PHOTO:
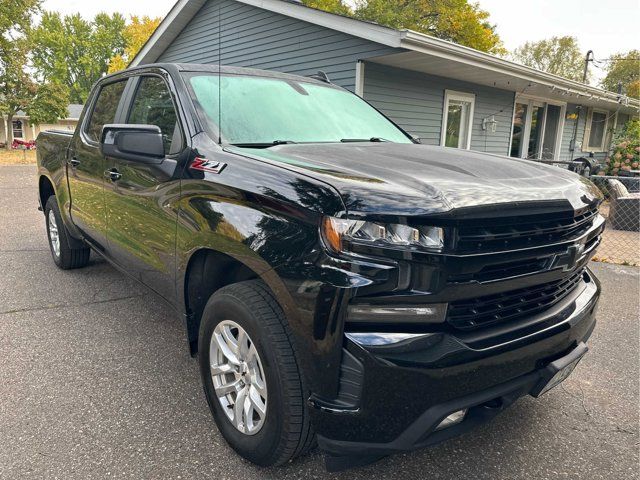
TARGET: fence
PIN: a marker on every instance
(621, 208)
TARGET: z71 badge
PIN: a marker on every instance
(205, 165)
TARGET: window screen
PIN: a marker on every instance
(598, 125)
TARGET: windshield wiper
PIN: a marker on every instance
(372, 139)
(263, 144)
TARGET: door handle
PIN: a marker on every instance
(113, 174)
(74, 162)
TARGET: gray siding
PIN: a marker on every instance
(415, 101)
(253, 37)
(567, 134)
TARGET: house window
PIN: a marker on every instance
(596, 132)
(457, 119)
(537, 129)
(17, 128)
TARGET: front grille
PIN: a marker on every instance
(514, 232)
(510, 306)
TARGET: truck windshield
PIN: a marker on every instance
(262, 112)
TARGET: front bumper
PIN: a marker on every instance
(408, 388)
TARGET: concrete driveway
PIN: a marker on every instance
(95, 381)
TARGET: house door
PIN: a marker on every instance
(537, 129)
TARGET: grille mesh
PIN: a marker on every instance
(523, 231)
(508, 306)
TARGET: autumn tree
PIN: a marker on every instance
(135, 35)
(42, 102)
(624, 68)
(457, 21)
(76, 52)
(558, 55)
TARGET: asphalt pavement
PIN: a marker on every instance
(96, 382)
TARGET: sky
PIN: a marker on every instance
(604, 26)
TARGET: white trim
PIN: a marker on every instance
(360, 79)
(462, 97)
(587, 131)
(558, 145)
(13, 136)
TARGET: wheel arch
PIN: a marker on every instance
(207, 271)
(45, 190)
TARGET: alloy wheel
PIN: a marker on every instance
(238, 377)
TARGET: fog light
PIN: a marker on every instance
(427, 313)
(453, 419)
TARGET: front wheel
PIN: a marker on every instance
(65, 254)
(251, 376)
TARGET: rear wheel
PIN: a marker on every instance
(251, 377)
(66, 254)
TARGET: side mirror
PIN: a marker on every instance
(137, 143)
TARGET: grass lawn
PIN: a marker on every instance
(17, 157)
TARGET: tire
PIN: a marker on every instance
(68, 253)
(285, 432)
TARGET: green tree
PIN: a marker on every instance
(624, 68)
(557, 55)
(333, 6)
(75, 52)
(15, 18)
(43, 102)
(454, 20)
(135, 34)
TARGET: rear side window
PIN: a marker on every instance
(152, 105)
(104, 110)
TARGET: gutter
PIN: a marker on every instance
(419, 42)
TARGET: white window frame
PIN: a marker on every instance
(360, 78)
(587, 132)
(462, 97)
(532, 101)
(21, 120)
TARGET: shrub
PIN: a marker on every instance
(626, 149)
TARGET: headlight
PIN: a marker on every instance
(335, 231)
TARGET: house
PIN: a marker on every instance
(23, 130)
(441, 92)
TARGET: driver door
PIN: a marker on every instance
(141, 197)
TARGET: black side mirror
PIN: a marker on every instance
(138, 143)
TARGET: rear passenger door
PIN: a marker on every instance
(142, 201)
(86, 164)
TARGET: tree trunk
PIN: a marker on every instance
(9, 126)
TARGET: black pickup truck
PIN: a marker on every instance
(339, 282)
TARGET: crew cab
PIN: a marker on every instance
(338, 281)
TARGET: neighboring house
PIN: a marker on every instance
(441, 92)
(23, 130)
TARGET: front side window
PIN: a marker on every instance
(17, 128)
(153, 105)
(258, 111)
(596, 130)
(457, 119)
(104, 109)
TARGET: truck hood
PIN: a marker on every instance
(412, 179)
